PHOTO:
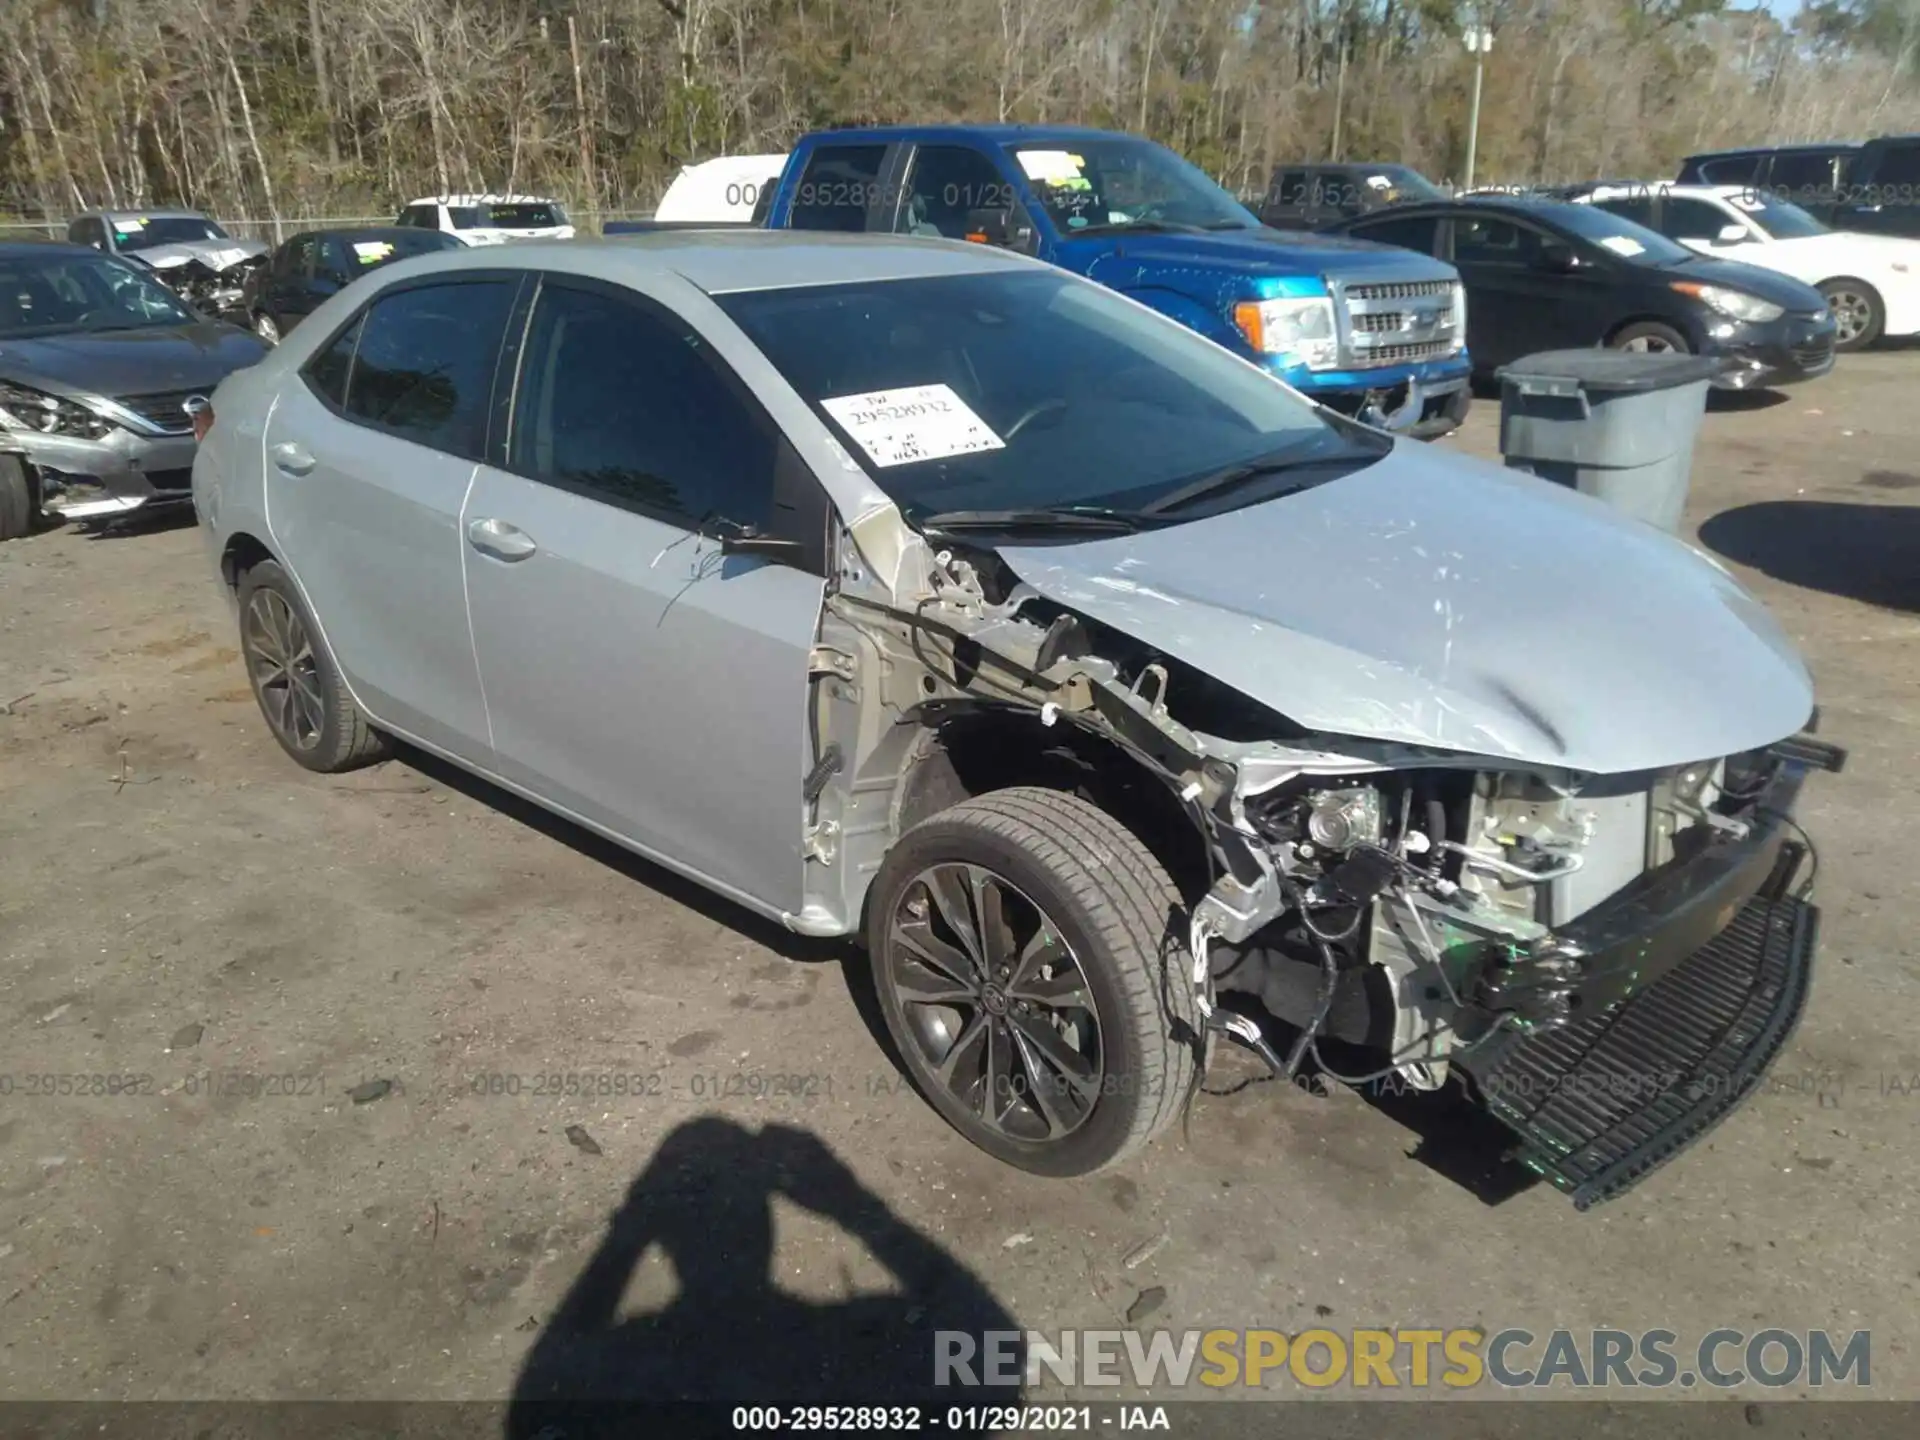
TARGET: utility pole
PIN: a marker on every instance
(1479, 40)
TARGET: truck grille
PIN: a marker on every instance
(166, 410)
(1400, 290)
(1398, 322)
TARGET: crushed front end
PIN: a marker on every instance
(1608, 964)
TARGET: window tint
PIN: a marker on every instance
(1291, 187)
(424, 369)
(1637, 208)
(1691, 219)
(300, 254)
(465, 217)
(1801, 177)
(838, 185)
(327, 371)
(1415, 233)
(946, 182)
(1732, 169)
(1489, 240)
(629, 405)
(1899, 165)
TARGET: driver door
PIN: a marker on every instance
(1518, 302)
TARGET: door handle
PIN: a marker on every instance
(292, 458)
(500, 540)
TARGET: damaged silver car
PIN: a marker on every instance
(187, 252)
(1118, 698)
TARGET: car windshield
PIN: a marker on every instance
(528, 215)
(1399, 184)
(368, 249)
(63, 292)
(146, 232)
(1118, 183)
(1614, 233)
(1781, 219)
(1025, 392)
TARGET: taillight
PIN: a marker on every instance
(201, 411)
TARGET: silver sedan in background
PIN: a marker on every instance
(1094, 678)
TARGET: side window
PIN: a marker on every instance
(1732, 170)
(327, 371)
(1682, 219)
(88, 231)
(424, 367)
(838, 186)
(1410, 233)
(1899, 165)
(300, 256)
(627, 404)
(946, 182)
(1801, 178)
(1292, 187)
(1489, 240)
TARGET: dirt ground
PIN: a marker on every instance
(329, 1088)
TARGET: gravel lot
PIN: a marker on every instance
(262, 951)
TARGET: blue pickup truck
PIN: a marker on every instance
(1366, 329)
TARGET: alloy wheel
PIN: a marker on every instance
(1852, 315)
(1649, 345)
(995, 1001)
(284, 669)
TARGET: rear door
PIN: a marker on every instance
(636, 677)
(291, 274)
(368, 464)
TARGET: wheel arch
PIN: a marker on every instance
(240, 554)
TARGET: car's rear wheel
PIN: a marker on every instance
(19, 505)
(296, 681)
(266, 327)
(1859, 314)
(1650, 337)
(1030, 957)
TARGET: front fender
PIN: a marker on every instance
(1192, 314)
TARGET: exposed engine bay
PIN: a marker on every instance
(1415, 901)
(216, 291)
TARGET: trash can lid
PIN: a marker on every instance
(1600, 369)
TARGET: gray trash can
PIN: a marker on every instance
(1618, 425)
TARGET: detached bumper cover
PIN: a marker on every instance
(1672, 998)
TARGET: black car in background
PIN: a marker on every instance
(1309, 197)
(312, 266)
(1549, 275)
(1873, 187)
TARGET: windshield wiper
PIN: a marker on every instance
(1138, 227)
(1218, 225)
(1106, 521)
(1232, 477)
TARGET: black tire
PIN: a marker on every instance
(340, 738)
(1651, 335)
(1124, 924)
(19, 505)
(1869, 311)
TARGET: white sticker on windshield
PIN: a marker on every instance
(1380, 182)
(372, 250)
(922, 422)
(1050, 166)
(1623, 245)
(127, 227)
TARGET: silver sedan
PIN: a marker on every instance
(1117, 697)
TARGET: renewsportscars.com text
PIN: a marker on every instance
(1453, 1359)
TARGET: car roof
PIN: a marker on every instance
(161, 212)
(1799, 148)
(370, 232)
(488, 199)
(1633, 189)
(1004, 134)
(27, 249)
(722, 261)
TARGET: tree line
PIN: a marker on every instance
(285, 109)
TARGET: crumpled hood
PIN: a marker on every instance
(1438, 601)
(130, 362)
(216, 255)
(1266, 251)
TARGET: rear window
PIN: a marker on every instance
(530, 215)
(1732, 169)
(839, 185)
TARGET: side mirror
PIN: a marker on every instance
(1732, 234)
(999, 226)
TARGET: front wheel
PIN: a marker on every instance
(1859, 314)
(1030, 957)
(19, 504)
(1650, 337)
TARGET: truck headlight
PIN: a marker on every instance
(1300, 328)
(49, 414)
(1459, 317)
(1735, 304)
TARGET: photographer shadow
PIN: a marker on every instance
(730, 1334)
